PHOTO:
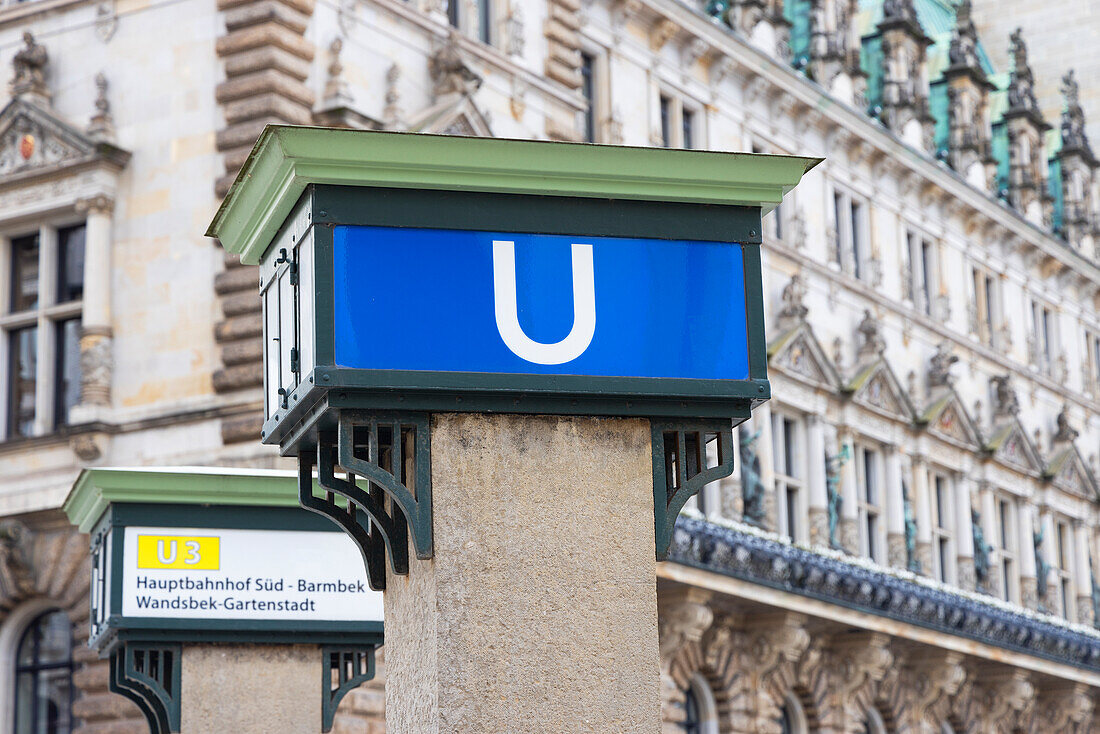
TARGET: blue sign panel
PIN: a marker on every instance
(496, 302)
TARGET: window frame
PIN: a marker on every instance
(790, 485)
(852, 251)
(1044, 335)
(671, 107)
(48, 317)
(1005, 546)
(17, 669)
(1063, 566)
(871, 513)
(986, 305)
(479, 24)
(942, 494)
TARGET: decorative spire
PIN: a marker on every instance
(29, 65)
(964, 39)
(1021, 83)
(102, 126)
(895, 10)
(904, 80)
(1073, 117)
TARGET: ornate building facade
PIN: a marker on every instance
(908, 543)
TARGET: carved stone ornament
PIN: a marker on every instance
(939, 366)
(102, 125)
(106, 20)
(794, 309)
(96, 364)
(964, 39)
(871, 343)
(16, 573)
(391, 115)
(449, 71)
(1065, 433)
(1021, 86)
(515, 30)
(29, 67)
(1073, 118)
(336, 89)
(1005, 402)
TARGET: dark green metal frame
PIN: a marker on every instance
(118, 630)
(149, 675)
(680, 469)
(344, 669)
(329, 388)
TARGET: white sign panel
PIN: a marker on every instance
(203, 573)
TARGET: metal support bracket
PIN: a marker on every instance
(343, 669)
(392, 455)
(682, 466)
(149, 675)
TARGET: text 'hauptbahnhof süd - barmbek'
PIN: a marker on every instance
(908, 541)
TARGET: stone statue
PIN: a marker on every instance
(963, 50)
(1021, 91)
(1042, 568)
(29, 65)
(449, 71)
(1065, 432)
(939, 367)
(752, 487)
(1005, 402)
(871, 342)
(981, 548)
(833, 464)
(794, 309)
(912, 562)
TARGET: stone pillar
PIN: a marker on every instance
(816, 498)
(849, 508)
(95, 339)
(762, 421)
(995, 584)
(964, 533)
(505, 626)
(895, 511)
(1028, 593)
(923, 508)
(273, 688)
(1082, 573)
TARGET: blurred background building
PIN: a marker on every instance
(908, 543)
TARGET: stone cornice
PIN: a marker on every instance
(811, 99)
(796, 570)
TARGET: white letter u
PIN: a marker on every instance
(507, 313)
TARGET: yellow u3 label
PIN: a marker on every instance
(179, 552)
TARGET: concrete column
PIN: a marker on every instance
(923, 507)
(1028, 594)
(762, 421)
(849, 508)
(816, 494)
(539, 609)
(964, 533)
(1082, 573)
(95, 340)
(244, 688)
(895, 510)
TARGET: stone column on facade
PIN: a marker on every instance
(1028, 594)
(816, 492)
(762, 423)
(964, 533)
(533, 639)
(1082, 573)
(95, 337)
(849, 492)
(995, 583)
(923, 508)
(227, 688)
(895, 511)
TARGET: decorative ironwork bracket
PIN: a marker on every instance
(343, 669)
(680, 468)
(392, 455)
(149, 675)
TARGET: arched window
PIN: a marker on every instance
(44, 676)
(874, 723)
(700, 709)
(792, 719)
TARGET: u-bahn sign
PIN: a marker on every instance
(428, 273)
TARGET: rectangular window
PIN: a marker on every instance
(687, 119)
(666, 121)
(942, 535)
(485, 20)
(1042, 337)
(24, 273)
(1063, 568)
(984, 309)
(452, 12)
(589, 91)
(41, 328)
(23, 377)
(788, 454)
(1005, 549)
(871, 508)
(1092, 362)
(851, 246)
